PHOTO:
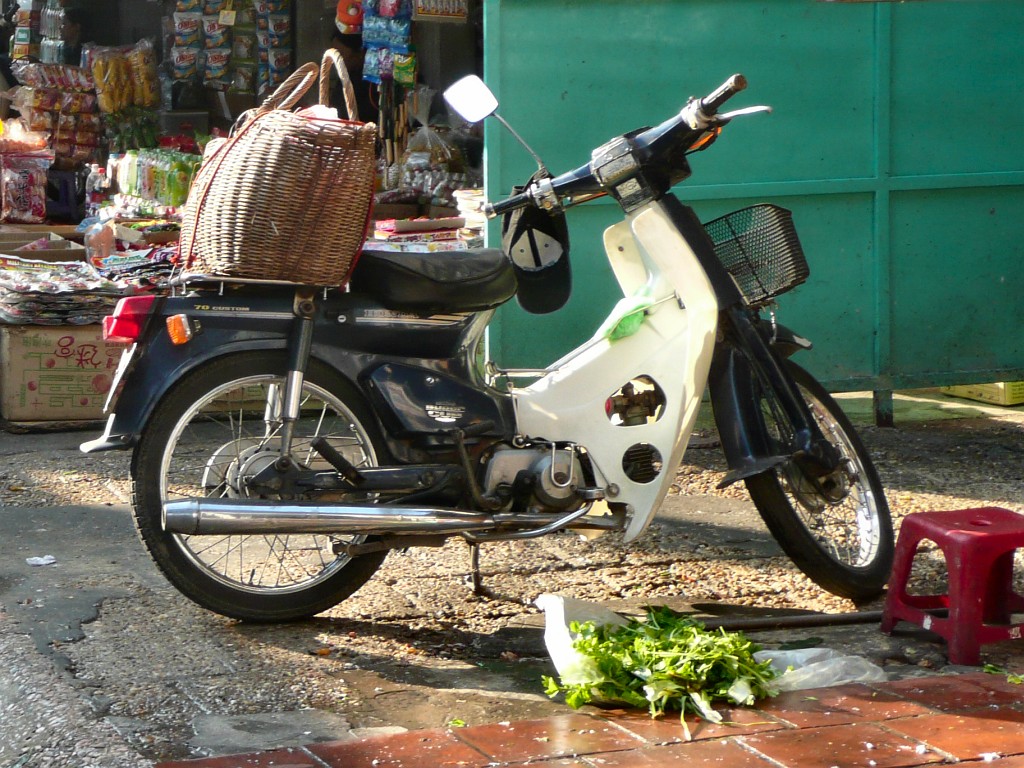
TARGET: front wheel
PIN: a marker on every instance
(218, 426)
(837, 529)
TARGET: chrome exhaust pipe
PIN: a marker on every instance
(244, 516)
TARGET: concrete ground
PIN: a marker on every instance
(104, 664)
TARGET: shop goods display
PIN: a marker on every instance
(242, 47)
(320, 174)
(60, 101)
(55, 293)
(28, 34)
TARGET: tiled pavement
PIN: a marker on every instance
(976, 719)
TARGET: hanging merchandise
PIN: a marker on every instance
(349, 17)
(387, 32)
(60, 100)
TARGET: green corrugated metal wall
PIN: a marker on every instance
(896, 140)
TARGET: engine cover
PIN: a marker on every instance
(545, 478)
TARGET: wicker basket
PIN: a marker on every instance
(286, 197)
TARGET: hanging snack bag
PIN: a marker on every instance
(280, 64)
(280, 28)
(188, 6)
(244, 46)
(188, 29)
(145, 82)
(184, 63)
(213, 7)
(243, 77)
(216, 67)
(112, 74)
(216, 35)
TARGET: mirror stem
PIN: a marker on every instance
(534, 155)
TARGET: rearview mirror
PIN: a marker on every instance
(471, 99)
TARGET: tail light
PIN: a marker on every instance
(128, 320)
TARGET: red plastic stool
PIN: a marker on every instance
(978, 545)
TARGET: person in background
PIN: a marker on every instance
(352, 53)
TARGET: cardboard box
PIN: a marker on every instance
(55, 373)
(999, 393)
(58, 249)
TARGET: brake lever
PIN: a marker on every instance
(724, 118)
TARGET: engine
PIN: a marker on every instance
(535, 479)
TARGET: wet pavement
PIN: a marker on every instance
(969, 718)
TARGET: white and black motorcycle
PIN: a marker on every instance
(287, 437)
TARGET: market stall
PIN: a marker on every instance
(106, 123)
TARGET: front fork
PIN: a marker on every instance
(745, 361)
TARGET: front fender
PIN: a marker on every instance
(741, 426)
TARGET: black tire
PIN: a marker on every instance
(199, 435)
(844, 542)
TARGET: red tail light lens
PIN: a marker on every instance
(128, 320)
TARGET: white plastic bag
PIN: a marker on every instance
(819, 668)
(559, 612)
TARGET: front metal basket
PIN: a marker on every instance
(760, 248)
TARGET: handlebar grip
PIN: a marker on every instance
(509, 204)
(711, 103)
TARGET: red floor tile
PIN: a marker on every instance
(953, 693)
(982, 732)
(839, 705)
(434, 748)
(667, 730)
(723, 753)
(280, 758)
(847, 746)
(560, 736)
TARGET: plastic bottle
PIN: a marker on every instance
(97, 186)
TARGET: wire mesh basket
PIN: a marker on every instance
(760, 248)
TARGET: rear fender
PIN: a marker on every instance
(157, 364)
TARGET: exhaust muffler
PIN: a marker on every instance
(245, 516)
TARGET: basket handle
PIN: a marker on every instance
(331, 56)
(291, 90)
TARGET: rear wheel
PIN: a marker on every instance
(219, 425)
(836, 529)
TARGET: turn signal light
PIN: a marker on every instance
(128, 320)
(179, 329)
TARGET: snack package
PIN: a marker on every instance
(23, 176)
(244, 46)
(216, 35)
(145, 82)
(184, 63)
(113, 75)
(16, 137)
(216, 66)
(280, 28)
(188, 28)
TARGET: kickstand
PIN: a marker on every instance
(475, 579)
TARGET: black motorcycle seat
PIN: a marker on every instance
(446, 281)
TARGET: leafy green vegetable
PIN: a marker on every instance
(992, 669)
(666, 662)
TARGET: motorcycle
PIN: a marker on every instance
(286, 437)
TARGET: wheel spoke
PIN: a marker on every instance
(209, 454)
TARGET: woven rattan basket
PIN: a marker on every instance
(286, 197)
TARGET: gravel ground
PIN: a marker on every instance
(380, 658)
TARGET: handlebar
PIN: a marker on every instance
(711, 103)
(508, 204)
(666, 144)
